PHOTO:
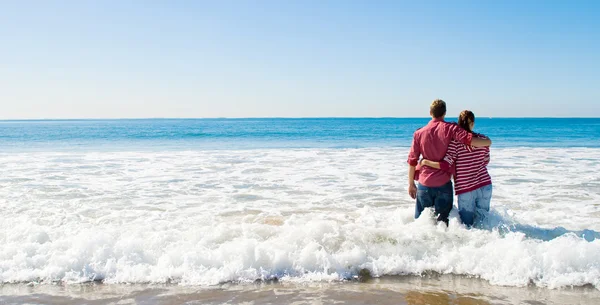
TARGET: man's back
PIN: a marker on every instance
(432, 142)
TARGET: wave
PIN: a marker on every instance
(208, 217)
(309, 247)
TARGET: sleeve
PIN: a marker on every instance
(450, 158)
(415, 152)
(460, 135)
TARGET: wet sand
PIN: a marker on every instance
(437, 289)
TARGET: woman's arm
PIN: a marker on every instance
(430, 163)
(447, 163)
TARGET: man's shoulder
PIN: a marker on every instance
(450, 124)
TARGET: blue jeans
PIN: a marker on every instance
(474, 205)
(440, 198)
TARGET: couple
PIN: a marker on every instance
(450, 149)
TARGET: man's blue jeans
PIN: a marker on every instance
(474, 206)
(440, 198)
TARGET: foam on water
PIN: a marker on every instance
(206, 217)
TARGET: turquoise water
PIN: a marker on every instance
(279, 133)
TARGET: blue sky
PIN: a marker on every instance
(131, 59)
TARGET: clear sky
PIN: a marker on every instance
(223, 58)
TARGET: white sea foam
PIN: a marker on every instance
(206, 217)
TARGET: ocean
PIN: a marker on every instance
(234, 210)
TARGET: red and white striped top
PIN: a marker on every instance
(469, 166)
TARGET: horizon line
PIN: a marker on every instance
(274, 117)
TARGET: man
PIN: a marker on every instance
(431, 142)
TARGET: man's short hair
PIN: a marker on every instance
(437, 108)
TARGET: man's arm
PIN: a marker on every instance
(467, 138)
(481, 142)
(412, 188)
(413, 160)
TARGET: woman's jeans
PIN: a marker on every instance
(474, 205)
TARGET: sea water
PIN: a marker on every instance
(210, 201)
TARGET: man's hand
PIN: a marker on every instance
(412, 190)
(480, 142)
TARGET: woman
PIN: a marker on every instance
(472, 182)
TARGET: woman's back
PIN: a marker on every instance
(470, 166)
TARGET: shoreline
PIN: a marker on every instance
(427, 289)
